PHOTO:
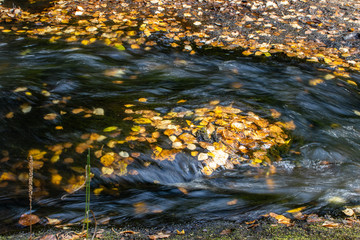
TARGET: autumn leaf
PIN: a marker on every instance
(299, 209)
(99, 111)
(280, 218)
(232, 202)
(36, 154)
(28, 219)
(140, 207)
(107, 159)
(110, 129)
(107, 170)
(53, 221)
(315, 82)
(330, 224)
(159, 235)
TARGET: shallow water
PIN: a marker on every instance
(323, 161)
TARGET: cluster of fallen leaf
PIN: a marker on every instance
(327, 221)
(315, 30)
(217, 136)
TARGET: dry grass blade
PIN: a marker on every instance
(30, 186)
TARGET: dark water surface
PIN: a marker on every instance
(322, 166)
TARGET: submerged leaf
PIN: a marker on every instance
(28, 219)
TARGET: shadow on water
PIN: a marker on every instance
(323, 162)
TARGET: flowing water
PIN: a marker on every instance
(323, 162)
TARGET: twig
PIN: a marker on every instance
(95, 222)
(30, 185)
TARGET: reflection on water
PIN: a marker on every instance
(323, 162)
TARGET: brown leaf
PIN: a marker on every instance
(159, 235)
(280, 218)
(330, 224)
(225, 231)
(313, 218)
(232, 202)
(50, 116)
(28, 219)
(48, 237)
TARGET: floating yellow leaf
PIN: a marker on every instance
(55, 158)
(142, 120)
(107, 170)
(181, 101)
(183, 190)
(8, 176)
(25, 108)
(299, 209)
(232, 202)
(50, 116)
(107, 159)
(140, 207)
(207, 170)
(351, 82)
(315, 82)
(81, 147)
(110, 129)
(142, 100)
(135, 46)
(77, 110)
(97, 191)
(38, 164)
(9, 115)
(56, 179)
(99, 111)
(20, 89)
(36, 154)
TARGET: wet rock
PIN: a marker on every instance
(352, 36)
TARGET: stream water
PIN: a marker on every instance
(323, 163)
